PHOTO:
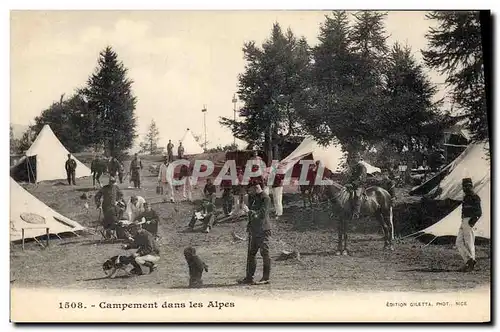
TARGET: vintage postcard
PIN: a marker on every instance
(250, 166)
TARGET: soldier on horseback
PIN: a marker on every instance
(356, 183)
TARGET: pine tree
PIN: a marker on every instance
(272, 88)
(150, 143)
(111, 105)
(455, 49)
(347, 77)
(410, 117)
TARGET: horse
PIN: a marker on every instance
(375, 201)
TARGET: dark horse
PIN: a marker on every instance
(375, 201)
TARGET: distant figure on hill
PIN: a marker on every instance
(180, 151)
(70, 170)
(170, 151)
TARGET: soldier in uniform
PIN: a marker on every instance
(210, 191)
(70, 170)
(113, 167)
(148, 253)
(259, 231)
(135, 175)
(180, 151)
(149, 219)
(111, 195)
(471, 212)
(170, 152)
(356, 183)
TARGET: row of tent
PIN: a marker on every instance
(474, 162)
(46, 157)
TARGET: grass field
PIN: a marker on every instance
(76, 262)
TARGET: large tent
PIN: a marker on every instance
(332, 157)
(32, 215)
(45, 160)
(475, 164)
(190, 144)
(449, 225)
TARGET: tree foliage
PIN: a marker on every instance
(455, 50)
(65, 119)
(272, 89)
(111, 104)
(347, 79)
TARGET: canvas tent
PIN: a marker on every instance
(449, 225)
(473, 163)
(23, 206)
(45, 160)
(190, 144)
(332, 157)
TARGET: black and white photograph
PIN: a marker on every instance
(250, 166)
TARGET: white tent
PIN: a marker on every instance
(447, 183)
(24, 205)
(449, 225)
(473, 163)
(331, 156)
(190, 144)
(45, 160)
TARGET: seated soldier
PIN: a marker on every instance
(209, 191)
(205, 214)
(227, 197)
(149, 220)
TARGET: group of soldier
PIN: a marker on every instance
(253, 201)
(115, 168)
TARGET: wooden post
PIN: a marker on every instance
(22, 235)
(48, 236)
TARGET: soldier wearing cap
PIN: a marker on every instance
(111, 195)
(356, 183)
(471, 212)
(70, 166)
(259, 231)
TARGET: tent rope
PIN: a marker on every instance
(430, 242)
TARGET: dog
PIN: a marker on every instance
(196, 267)
(116, 263)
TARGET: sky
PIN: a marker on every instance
(179, 61)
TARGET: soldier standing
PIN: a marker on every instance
(135, 175)
(259, 231)
(70, 170)
(170, 151)
(471, 212)
(180, 151)
(111, 195)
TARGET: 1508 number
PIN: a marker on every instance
(71, 305)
